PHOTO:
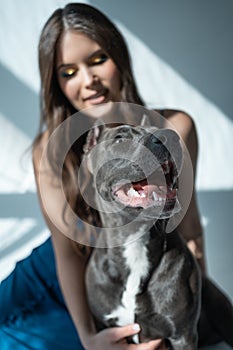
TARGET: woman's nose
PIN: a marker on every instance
(87, 77)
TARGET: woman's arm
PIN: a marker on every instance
(190, 227)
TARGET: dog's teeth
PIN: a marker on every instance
(155, 196)
(137, 194)
(133, 193)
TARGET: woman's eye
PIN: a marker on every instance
(99, 59)
(68, 73)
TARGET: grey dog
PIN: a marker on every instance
(139, 273)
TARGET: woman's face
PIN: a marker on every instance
(86, 75)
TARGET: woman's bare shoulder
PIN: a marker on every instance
(181, 121)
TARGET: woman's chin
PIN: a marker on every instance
(98, 110)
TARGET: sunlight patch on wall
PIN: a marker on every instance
(16, 173)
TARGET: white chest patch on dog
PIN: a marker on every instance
(136, 260)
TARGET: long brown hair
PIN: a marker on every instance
(55, 107)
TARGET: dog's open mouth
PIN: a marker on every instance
(158, 189)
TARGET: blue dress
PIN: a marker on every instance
(33, 314)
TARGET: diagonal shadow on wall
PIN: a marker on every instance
(18, 103)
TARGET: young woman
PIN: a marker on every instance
(83, 62)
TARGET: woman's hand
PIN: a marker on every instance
(115, 338)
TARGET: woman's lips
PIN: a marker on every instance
(97, 98)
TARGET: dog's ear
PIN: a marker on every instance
(93, 135)
(145, 120)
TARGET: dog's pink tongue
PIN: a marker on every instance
(148, 190)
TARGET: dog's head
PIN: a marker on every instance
(136, 168)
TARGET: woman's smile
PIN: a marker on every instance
(98, 97)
